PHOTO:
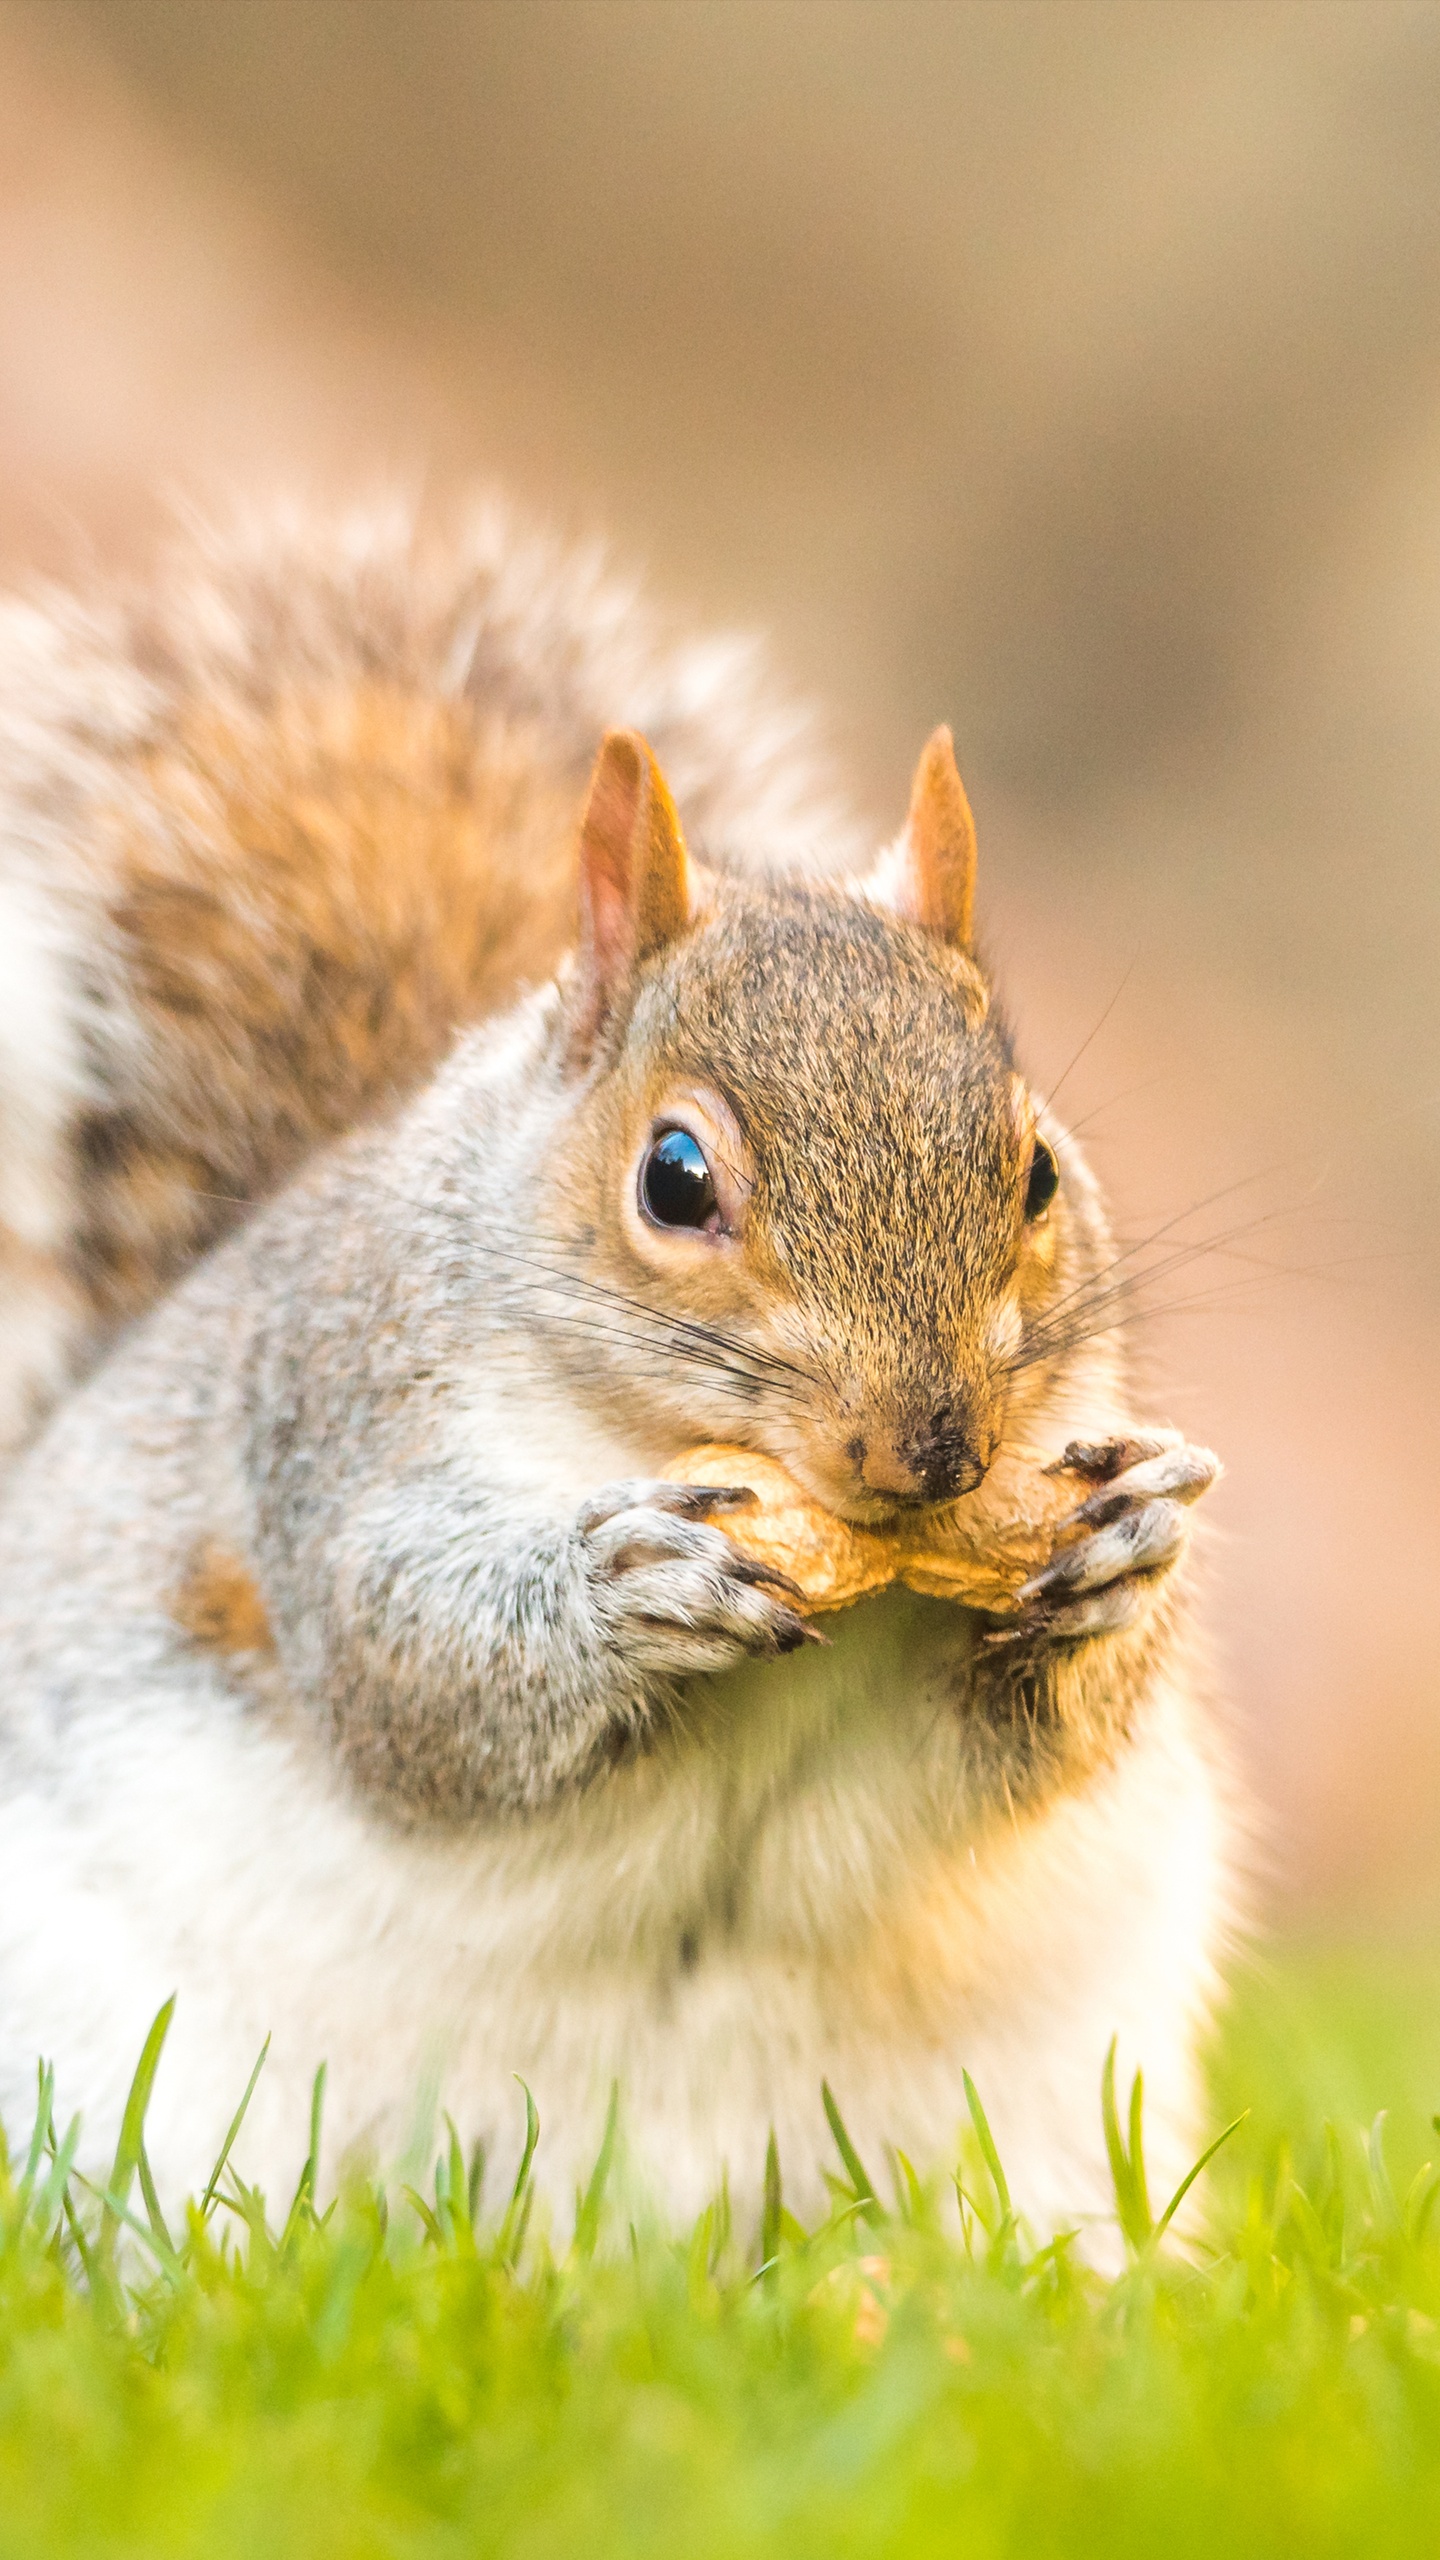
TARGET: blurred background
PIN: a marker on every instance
(1069, 369)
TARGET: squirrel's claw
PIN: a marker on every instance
(1095, 1613)
(680, 1501)
(1119, 1541)
(1178, 1474)
(1138, 1541)
(674, 1593)
(749, 1569)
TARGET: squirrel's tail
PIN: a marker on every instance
(269, 835)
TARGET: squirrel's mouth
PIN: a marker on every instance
(839, 1486)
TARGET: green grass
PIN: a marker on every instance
(432, 2379)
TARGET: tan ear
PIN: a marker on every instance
(634, 875)
(930, 879)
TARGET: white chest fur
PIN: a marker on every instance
(797, 1886)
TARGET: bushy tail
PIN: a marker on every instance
(270, 835)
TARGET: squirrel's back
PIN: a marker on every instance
(270, 831)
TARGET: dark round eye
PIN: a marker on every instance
(675, 1184)
(1044, 1180)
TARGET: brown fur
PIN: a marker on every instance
(309, 901)
(886, 1133)
(219, 1605)
(272, 831)
(25, 1266)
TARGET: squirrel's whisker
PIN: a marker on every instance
(1094, 1289)
(1078, 1317)
(1143, 1244)
(1091, 1036)
(681, 1335)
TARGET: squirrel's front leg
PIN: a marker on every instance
(1096, 1622)
(1113, 1549)
(671, 1594)
(468, 1659)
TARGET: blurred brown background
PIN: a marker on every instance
(1066, 368)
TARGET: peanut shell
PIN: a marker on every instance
(978, 1552)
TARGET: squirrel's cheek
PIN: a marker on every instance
(1004, 1332)
(1039, 1254)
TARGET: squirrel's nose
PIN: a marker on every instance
(933, 1460)
(947, 1455)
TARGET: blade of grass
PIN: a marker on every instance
(517, 2212)
(773, 2206)
(988, 2151)
(302, 2205)
(132, 2130)
(49, 2199)
(862, 2187)
(1138, 2182)
(433, 2232)
(475, 2182)
(171, 2266)
(80, 2244)
(457, 2190)
(207, 2201)
(310, 2174)
(44, 2119)
(1132, 2207)
(724, 2224)
(1188, 2181)
(588, 2207)
(152, 2204)
(910, 2197)
(248, 2205)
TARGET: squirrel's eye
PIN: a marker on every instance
(1044, 1180)
(675, 1185)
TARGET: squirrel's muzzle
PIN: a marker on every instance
(934, 1458)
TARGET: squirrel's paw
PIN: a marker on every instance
(1119, 1541)
(675, 1595)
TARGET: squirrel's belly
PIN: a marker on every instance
(719, 1931)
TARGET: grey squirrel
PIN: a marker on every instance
(408, 1153)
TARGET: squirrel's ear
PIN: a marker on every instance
(634, 875)
(929, 876)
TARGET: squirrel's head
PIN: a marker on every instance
(799, 1156)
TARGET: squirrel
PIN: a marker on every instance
(408, 1153)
